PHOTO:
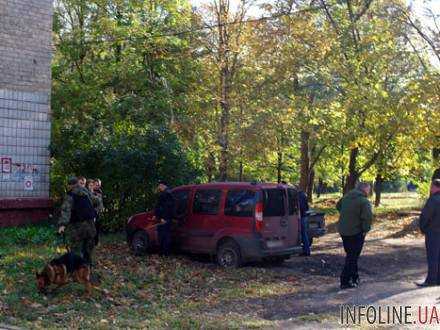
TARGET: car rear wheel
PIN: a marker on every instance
(140, 243)
(228, 255)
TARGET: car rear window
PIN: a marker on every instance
(273, 203)
(181, 199)
(206, 201)
(293, 201)
(240, 203)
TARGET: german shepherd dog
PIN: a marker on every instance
(59, 270)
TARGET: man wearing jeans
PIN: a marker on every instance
(430, 226)
(303, 208)
(354, 222)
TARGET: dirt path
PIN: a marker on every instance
(388, 266)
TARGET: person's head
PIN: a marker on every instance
(364, 187)
(91, 184)
(72, 182)
(162, 186)
(82, 181)
(97, 183)
(435, 186)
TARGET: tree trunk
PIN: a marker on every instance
(342, 168)
(224, 133)
(210, 165)
(310, 184)
(378, 189)
(225, 83)
(320, 187)
(353, 174)
(240, 171)
(279, 166)
(305, 161)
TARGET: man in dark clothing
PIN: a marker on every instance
(430, 226)
(354, 222)
(77, 220)
(164, 212)
(436, 174)
(303, 208)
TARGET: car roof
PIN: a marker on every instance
(226, 185)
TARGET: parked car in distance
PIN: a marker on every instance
(236, 222)
(315, 224)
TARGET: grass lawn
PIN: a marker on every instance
(146, 292)
(136, 292)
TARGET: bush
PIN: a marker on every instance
(129, 164)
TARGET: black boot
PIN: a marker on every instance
(348, 285)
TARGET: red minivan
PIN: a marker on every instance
(234, 221)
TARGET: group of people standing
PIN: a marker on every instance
(79, 219)
(355, 222)
(82, 206)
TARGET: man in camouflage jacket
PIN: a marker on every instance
(77, 219)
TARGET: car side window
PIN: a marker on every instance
(292, 194)
(181, 200)
(240, 203)
(273, 203)
(206, 201)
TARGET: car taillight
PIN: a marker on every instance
(259, 216)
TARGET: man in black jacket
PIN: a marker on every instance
(164, 212)
(430, 226)
(436, 174)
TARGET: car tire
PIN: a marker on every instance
(140, 243)
(229, 255)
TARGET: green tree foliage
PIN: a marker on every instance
(120, 86)
(330, 91)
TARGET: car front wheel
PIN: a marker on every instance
(228, 255)
(140, 243)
